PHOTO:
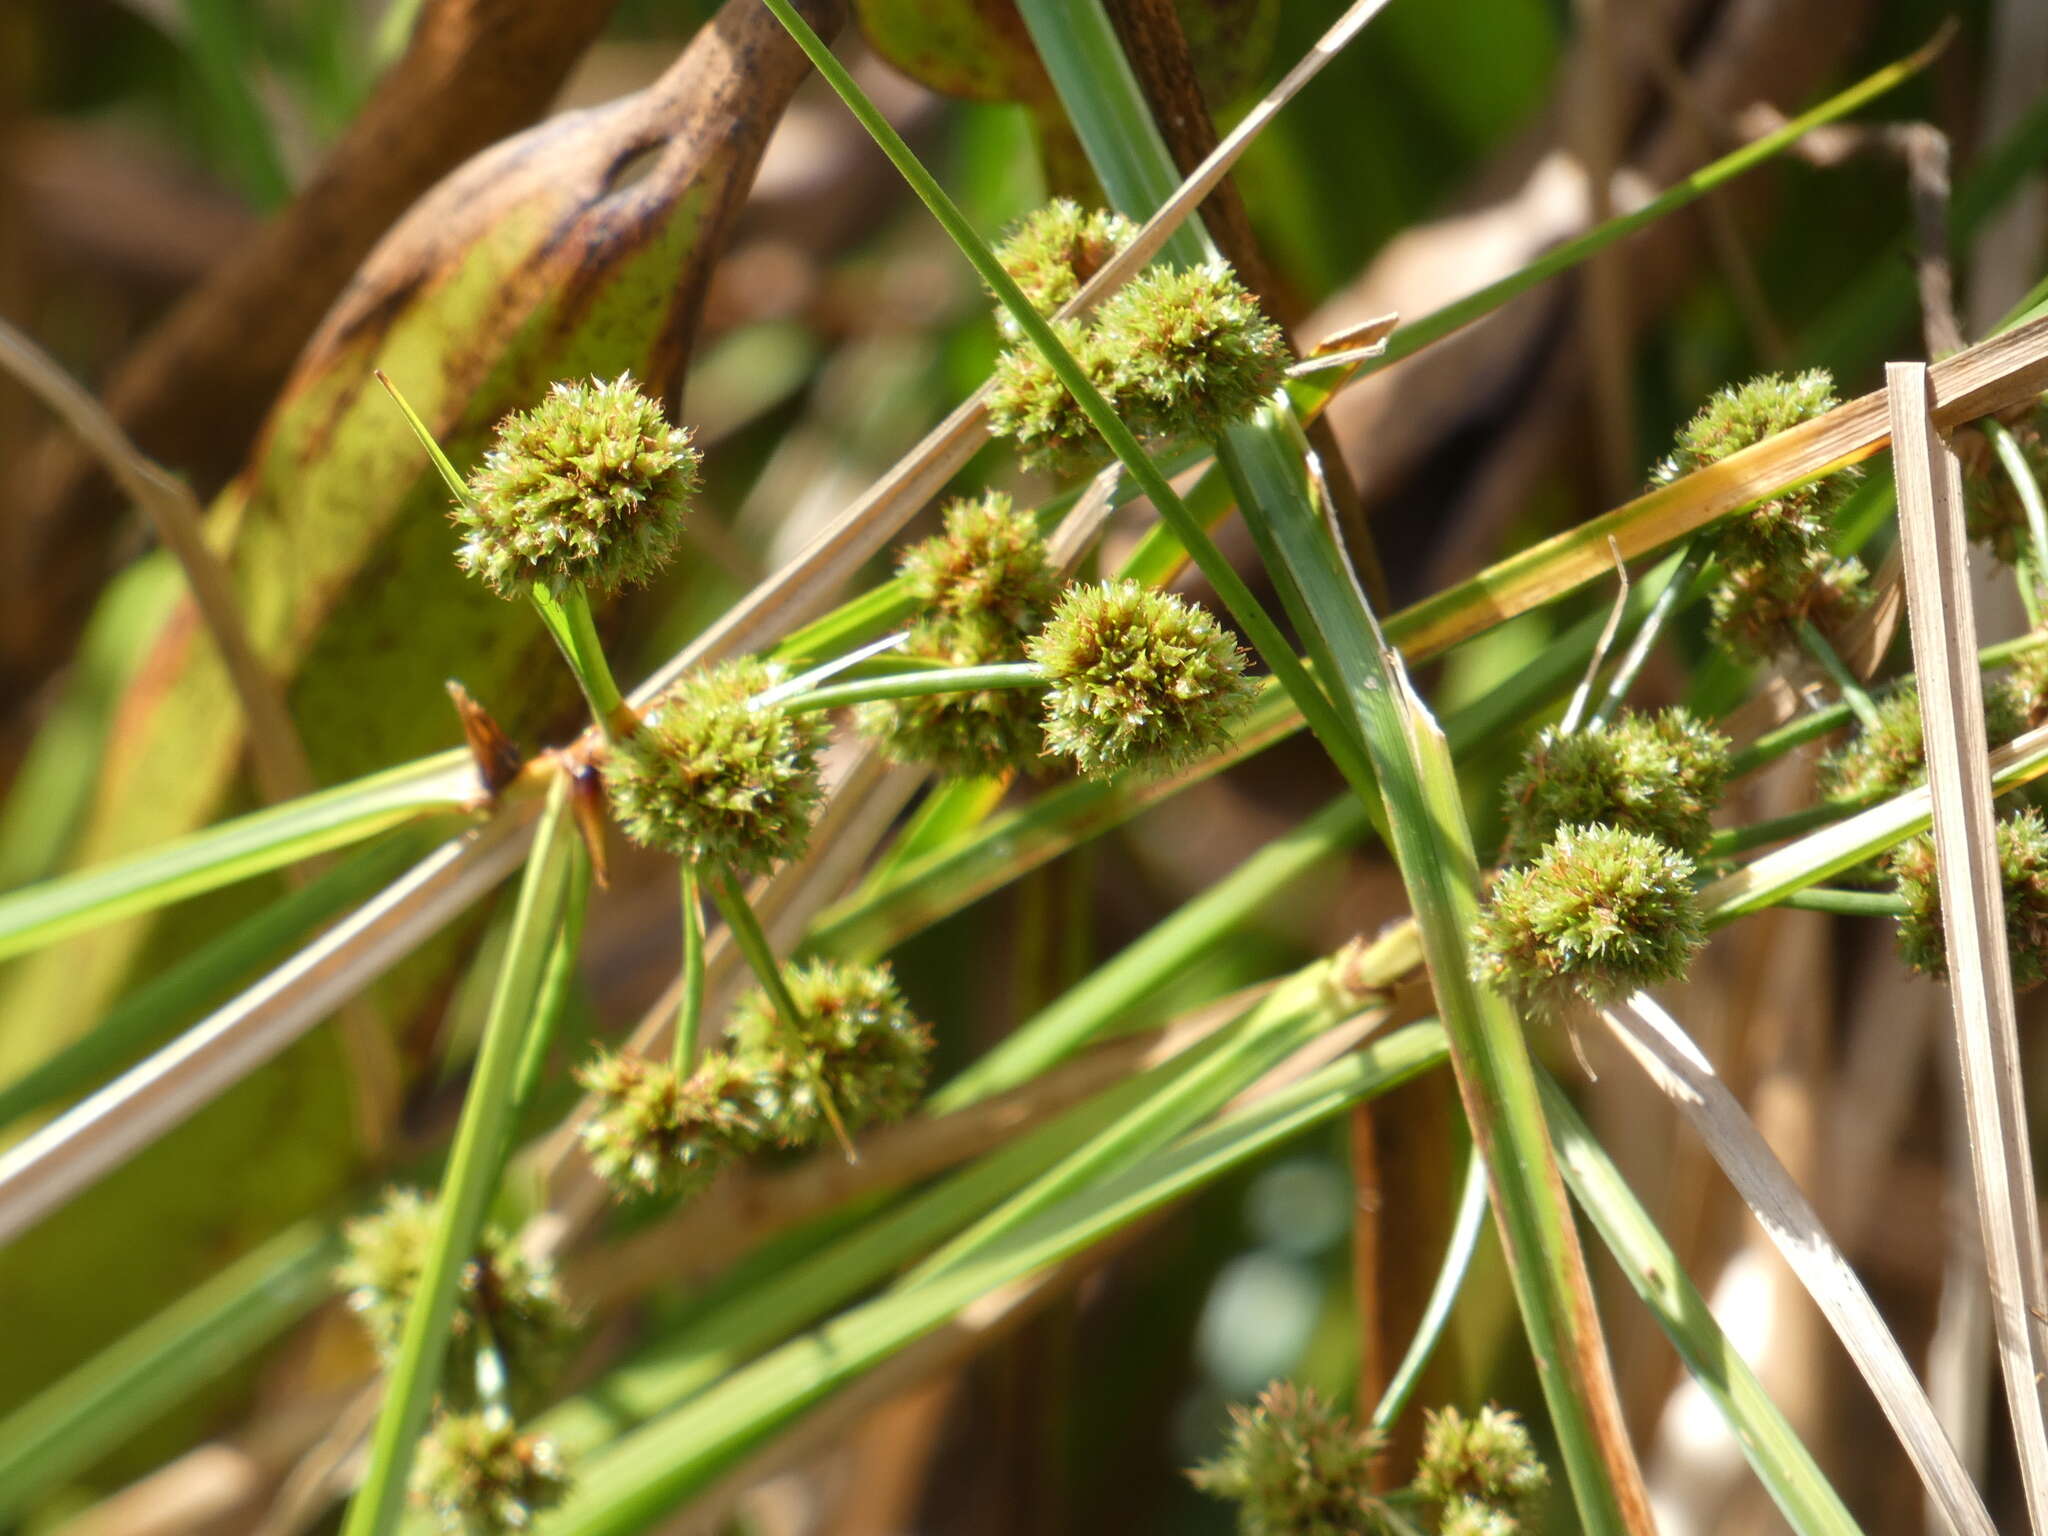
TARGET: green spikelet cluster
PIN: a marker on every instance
(1140, 680)
(715, 780)
(1053, 252)
(503, 1299)
(1601, 912)
(1178, 352)
(858, 1038)
(2023, 877)
(588, 488)
(481, 1477)
(1777, 567)
(1992, 510)
(985, 584)
(2028, 676)
(1661, 775)
(1295, 1467)
(655, 1133)
(1482, 1473)
(1890, 757)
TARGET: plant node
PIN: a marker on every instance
(715, 780)
(588, 488)
(1295, 1467)
(1661, 775)
(1140, 679)
(1601, 913)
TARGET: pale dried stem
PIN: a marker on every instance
(1944, 633)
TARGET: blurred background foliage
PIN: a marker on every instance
(142, 143)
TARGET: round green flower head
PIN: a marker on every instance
(1486, 1460)
(1295, 1467)
(1140, 679)
(1741, 416)
(654, 1133)
(1992, 510)
(1052, 253)
(1193, 351)
(481, 1477)
(2023, 876)
(1658, 774)
(858, 1037)
(1891, 757)
(711, 778)
(1469, 1517)
(1600, 913)
(1758, 607)
(588, 488)
(1028, 403)
(984, 584)
(502, 1296)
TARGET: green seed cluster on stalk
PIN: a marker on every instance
(481, 1476)
(2023, 878)
(715, 779)
(1661, 775)
(1180, 352)
(1140, 679)
(1993, 513)
(1890, 756)
(1482, 1473)
(985, 585)
(507, 1304)
(589, 488)
(1777, 568)
(660, 1132)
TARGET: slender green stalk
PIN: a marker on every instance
(1250, 615)
(569, 621)
(754, 947)
(1824, 898)
(557, 986)
(690, 1007)
(2014, 461)
(474, 1165)
(1845, 681)
(1730, 841)
(1678, 589)
(911, 685)
(1466, 1227)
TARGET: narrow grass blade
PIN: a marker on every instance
(474, 1165)
(1944, 627)
(1674, 1064)
(64, 1429)
(235, 850)
(1466, 1227)
(104, 1130)
(1782, 1463)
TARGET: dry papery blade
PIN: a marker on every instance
(1944, 631)
(806, 585)
(1677, 1068)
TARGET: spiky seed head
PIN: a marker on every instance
(655, 1133)
(2022, 876)
(480, 1476)
(1295, 1467)
(858, 1037)
(504, 1297)
(1469, 1517)
(1600, 913)
(974, 731)
(1658, 774)
(1890, 757)
(1053, 252)
(1194, 352)
(1028, 403)
(588, 488)
(1487, 1459)
(714, 779)
(1759, 605)
(1140, 680)
(990, 563)
(1993, 513)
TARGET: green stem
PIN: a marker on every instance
(1758, 834)
(1827, 898)
(690, 1011)
(2028, 489)
(1838, 672)
(1466, 1227)
(568, 619)
(1690, 562)
(1338, 740)
(472, 1176)
(557, 985)
(911, 685)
